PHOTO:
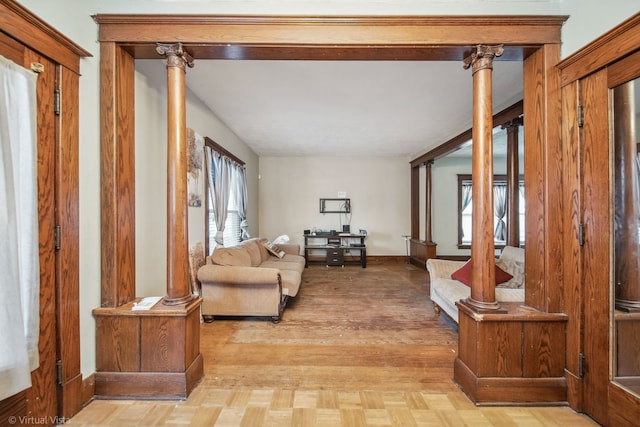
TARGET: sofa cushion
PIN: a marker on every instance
(512, 261)
(463, 274)
(236, 256)
(252, 246)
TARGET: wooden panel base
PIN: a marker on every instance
(517, 391)
(149, 385)
(514, 356)
(420, 251)
(152, 354)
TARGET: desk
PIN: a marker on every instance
(333, 248)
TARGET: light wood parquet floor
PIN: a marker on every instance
(356, 347)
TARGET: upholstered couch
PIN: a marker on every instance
(250, 280)
(445, 291)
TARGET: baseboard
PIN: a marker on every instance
(88, 389)
(149, 385)
(493, 391)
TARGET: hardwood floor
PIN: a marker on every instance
(356, 347)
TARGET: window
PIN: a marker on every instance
(226, 202)
(465, 210)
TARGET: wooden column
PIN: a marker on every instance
(513, 182)
(483, 295)
(427, 201)
(627, 205)
(178, 290)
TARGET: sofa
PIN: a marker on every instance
(253, 278)
(446, 291)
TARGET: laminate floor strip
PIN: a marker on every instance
(356, 347)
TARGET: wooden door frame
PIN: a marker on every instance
(20, 24)
(535, 40)
(613, 57)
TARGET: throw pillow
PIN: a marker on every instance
(274, 249)
(463, 274)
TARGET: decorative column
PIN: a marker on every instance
(428, 195)
(178, 290)
(627, 203)
(482, 247)
(513, 182)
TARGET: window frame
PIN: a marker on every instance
(462, 178)
(208, 142)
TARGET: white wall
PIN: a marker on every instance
(590, 19)
(379, 189)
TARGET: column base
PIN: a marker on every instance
(482, 306)
(149, 354)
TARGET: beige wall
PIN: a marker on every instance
(379, 189)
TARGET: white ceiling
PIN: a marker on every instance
(344, 108)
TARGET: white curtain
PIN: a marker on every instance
(219, 176)
(240, 181)
(500, 210)
(19, 265)
(466, 196)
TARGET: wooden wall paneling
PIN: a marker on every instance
(468, 337)
(499, 350)
(534, 179)
(544, 354)
(68, 256)
(543, 180)
(163, 339)
(151, 354)
(117, 176)
(118, 343)
(596, 248)
(573, 260)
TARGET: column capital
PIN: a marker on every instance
(513, 125)
(176, 55)
(482, 58)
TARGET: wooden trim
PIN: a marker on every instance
(521, 391)
(463, 140)
(603, 51)
(208, 142)
(68, 257)
(24, 26)
(149, 385)
(88, 389)
(362, 37)
(625, 70)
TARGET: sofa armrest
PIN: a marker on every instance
(238, 275)
(442, 268)
(290, 248)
